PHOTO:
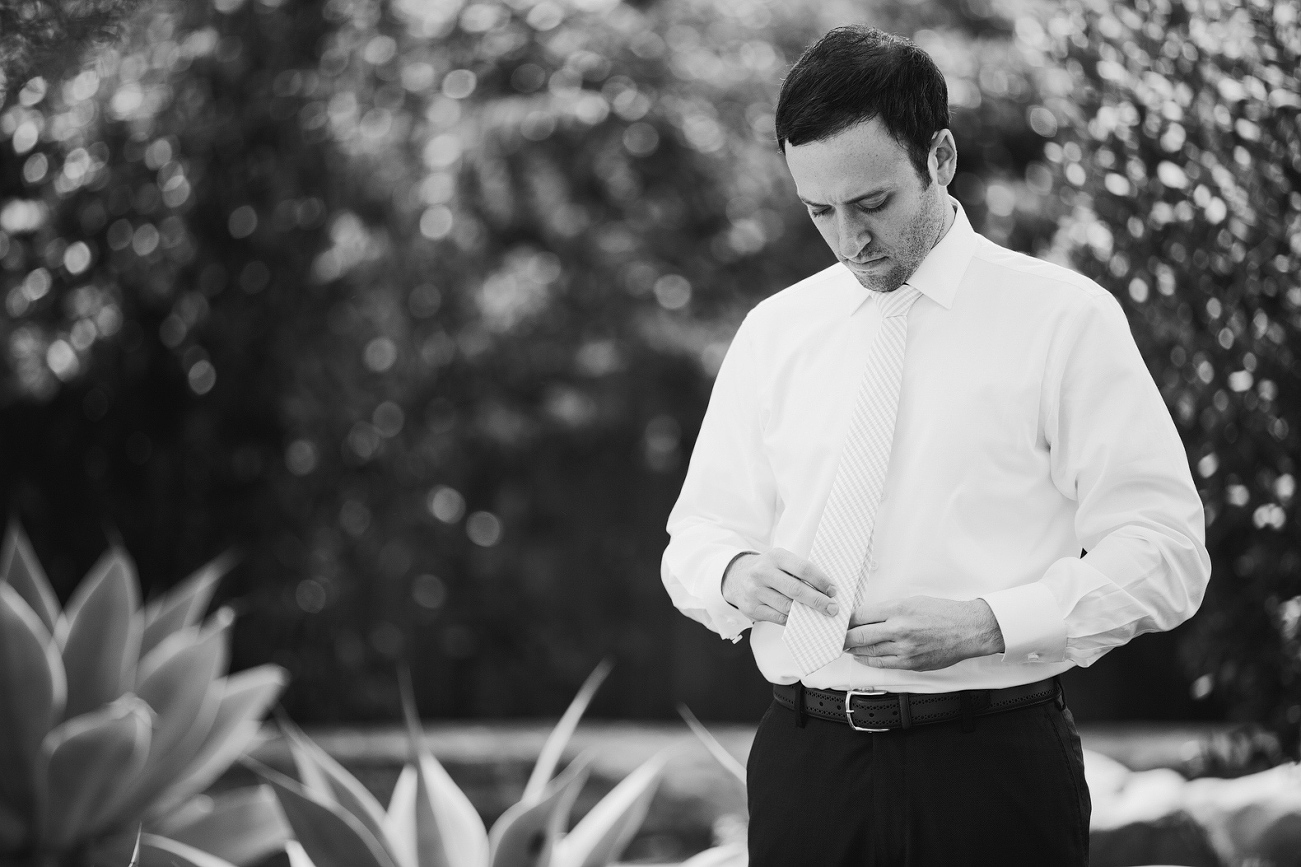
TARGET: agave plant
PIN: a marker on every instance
(730, 846)
(429, 822)
(114, 719)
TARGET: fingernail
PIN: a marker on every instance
(832, 609)
(831, 591)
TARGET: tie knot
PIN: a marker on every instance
(898, 302)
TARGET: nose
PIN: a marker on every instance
(852, 234)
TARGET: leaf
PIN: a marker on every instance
(344, 789)
(20, 569)
(297, 857)
(329, 834)
(400, 818)
(549, 757)
(245, 698)
(135, 852)
(730, 855)
(103, 635)
(526, 834)
(32, 693)
(156, 851)
(602, 835)
(184, 604)
(83, 760)
(717, 750)
(449, 831)
(243, 826)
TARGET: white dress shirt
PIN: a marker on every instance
(1029, 429)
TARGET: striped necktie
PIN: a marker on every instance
(843, 545)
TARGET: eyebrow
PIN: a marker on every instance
(853, 201)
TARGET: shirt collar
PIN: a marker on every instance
(940, 273)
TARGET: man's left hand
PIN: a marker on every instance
(922, 633)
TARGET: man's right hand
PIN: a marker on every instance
(762, 586)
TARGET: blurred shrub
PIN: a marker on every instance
(1180, 166)
(419, 304)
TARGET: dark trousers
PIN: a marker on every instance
(1009, 791)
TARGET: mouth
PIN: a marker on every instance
(867, 264)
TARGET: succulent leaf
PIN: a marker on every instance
(555, 744)
(717, 750)
(344, 789)
(20, 569)
(329, 834)
(184, 604)
(730, 855)
(158, 851)
(33, 689)
(104, 627)
(607, 829)
(449, 831)
(177, 681)
(526, 834)
(245, 697)
(242, 826)
(83, 760)
(400, 818)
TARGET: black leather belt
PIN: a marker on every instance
(880, 711)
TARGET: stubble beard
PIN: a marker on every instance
(922, 235)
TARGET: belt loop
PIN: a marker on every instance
(967, 704)
(800, 717)
(905, 711)
(1060, 698)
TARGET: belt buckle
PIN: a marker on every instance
(849, 711)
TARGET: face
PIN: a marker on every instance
(866, 198)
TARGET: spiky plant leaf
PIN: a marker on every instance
(32, 693)
(245, 698)
(242, 826)
(156, 851)
(184, 604)
(449, 831)
(176, 681)
(309, 772)
(730, 855)
(297, 857)
(329, 834)
(555, 744)
(103, 635)
(717, 750)
(526, 834)
(400, 818)
(344, 789)
(607, 829)
(20, 569)
(83, 760)
(135, 851)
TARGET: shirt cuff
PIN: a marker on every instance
(728, 621)
(1033, 629)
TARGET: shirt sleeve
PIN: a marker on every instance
(1114, 450)
(728, 500)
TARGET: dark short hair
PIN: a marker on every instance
(856, 73)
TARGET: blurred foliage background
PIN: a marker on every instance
(416, 305)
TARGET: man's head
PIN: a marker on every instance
(863, 121)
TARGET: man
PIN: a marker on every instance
(902, 460)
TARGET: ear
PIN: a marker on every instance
(943, 160)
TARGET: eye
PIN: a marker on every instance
(872, 209)
(818, 212)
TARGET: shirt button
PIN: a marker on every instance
(1034, 656)
(871, 564)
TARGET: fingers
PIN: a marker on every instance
(767, 612)
(798, 567)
